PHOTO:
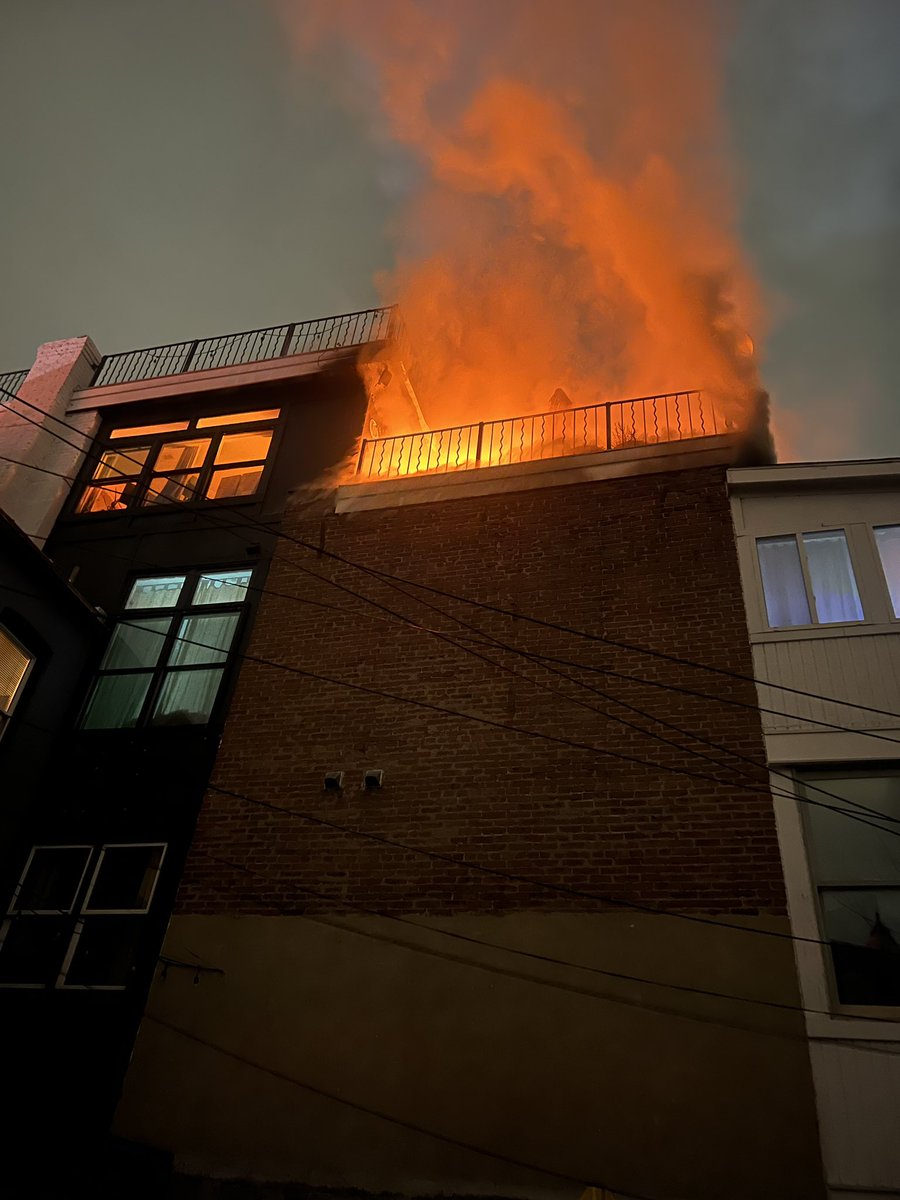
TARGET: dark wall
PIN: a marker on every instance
(62, 785)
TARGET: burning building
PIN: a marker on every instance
(414, 806)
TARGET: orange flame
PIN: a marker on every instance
(572, 223)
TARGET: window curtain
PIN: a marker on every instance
(831, 575)
(783, 586)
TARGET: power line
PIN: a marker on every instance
(385, 575)
(759, 789)
(543, 958)
(399, 1121)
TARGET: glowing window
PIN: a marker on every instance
(225, 462)
(269, 414)
(15, 663)
(145, 430)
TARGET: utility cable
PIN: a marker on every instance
(322, 551)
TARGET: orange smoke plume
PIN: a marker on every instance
(571, 224)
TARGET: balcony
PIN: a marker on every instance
(616, 425)
(342, 332)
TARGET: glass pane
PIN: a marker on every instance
(240, 481)
(782, 577)
(206, 640)
(105, 952)
(116, 701)
(141, 430)
(244, 447)
(34, 949)
(163, 490)
(268, 414)
(125, 878)
(187, 697)
(864, 927)
(52, 879)
(138, 643)
(181, 456)
(122, 462)
(160, 591)
(222, 587)
(831, 575)
(843, 850)
(107, 497)
(14, 662)
(887, 539)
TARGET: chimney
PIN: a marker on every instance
(28, 432)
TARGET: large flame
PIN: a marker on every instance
(571, 224)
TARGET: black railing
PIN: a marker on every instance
(11, 381)
(204, 354)
(617, 425)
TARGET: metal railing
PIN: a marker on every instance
(204, 354)
(11, 381)
(617, 425)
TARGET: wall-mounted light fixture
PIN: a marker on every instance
(373, 779)
(334, 781)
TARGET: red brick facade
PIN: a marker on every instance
(648, 560)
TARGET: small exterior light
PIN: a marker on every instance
(334, 781)
(372, 779)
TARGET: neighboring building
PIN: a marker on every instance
(819, 547)
(155, 480)
(387, 1017)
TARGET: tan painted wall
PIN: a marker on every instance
(660, 1093)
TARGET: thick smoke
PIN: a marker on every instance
(569, 221)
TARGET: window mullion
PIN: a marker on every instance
(807, 579)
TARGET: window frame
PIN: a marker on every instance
(79, 914)
(6, 714)
(162, 669)
(885, 591)
(859, 580)
(820, 775)
(107, 443)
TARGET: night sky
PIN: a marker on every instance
(170, 171)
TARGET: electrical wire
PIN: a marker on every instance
(385, 575)
(530, 954)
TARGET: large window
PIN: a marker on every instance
(887, 539)
(76, 918)
(205, 458)
(15, 664)
(808, 579)
(168, 651)
(856, 871)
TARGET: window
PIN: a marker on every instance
(15, 665)
(76, 917)
(856, 871)
(167, 655)
(206, 458)
(808, 579)
(887, 539)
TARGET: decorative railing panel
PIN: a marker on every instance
(617, 425)
(11, 381)
(257, 345)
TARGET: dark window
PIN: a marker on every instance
(205, 458)
(856, 870)
(168, 651)
(74, 927)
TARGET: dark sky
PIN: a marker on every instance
(170, 172)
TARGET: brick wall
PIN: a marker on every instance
(647, 560)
